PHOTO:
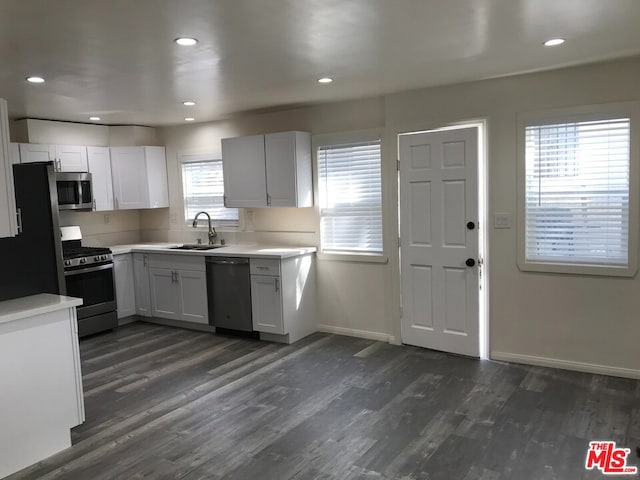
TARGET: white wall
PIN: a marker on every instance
(572, 321)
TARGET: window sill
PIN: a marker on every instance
(573, 269)
(353, 257)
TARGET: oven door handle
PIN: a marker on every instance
(88, 270)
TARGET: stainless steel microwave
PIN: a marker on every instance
(75, 191)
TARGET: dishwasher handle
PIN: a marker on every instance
(227, 261)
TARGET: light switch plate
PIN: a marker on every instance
(502, 220)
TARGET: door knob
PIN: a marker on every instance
(470, 262)
(471, 225)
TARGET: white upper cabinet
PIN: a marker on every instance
(72, 158)
(268, 170)
(14, 152)
(99, 160)
(139, 177)
(66, 158)
(35, 152)
(245, 182)
(288, 168)
(8, 218)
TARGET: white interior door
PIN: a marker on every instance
(438, 199)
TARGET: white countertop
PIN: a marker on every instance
(256, 251)
(24, 307)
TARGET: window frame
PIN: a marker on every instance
(629, 110)
(347, 138)
(186, 158)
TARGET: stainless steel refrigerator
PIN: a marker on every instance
(31, 262)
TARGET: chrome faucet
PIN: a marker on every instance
(212, 231)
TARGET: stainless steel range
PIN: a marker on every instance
(88, 273)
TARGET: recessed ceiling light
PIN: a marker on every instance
(554, 42)
(325, 80)
(35, 79)
(189, 119)
(94, 119)
(189, 103)
(186, 41)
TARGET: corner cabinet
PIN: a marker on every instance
(272, 170)
(8, 212)
(283, 297)
(124, 280)
(141, 277)
(139, 177)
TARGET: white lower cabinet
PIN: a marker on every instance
(165, 298)
(142, 290)
(283, 297)
(178, 288)
(123, 276)
(266, 304)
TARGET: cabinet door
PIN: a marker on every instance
(244, 173)
(129, 171)
(280, 161)
(193, 296)
(99, 160)
(123, 274)
(34, 152)
(165, 299)
(266, 304)
(14, 153)
(71, 158)
(8, 219)
(157, 177)
(142, 290)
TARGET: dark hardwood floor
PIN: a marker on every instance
(166, 403)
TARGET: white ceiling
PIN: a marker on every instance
(117, 58)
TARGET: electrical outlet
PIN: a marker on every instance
(107, 219)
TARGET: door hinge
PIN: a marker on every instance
(398, 164)
(399, 242)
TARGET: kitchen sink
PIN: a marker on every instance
(196, 246)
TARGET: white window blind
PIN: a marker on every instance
(577, 192)
(203, 188)
(349, 185)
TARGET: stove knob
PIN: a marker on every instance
(67, 262)
(83, 260)
(103, 257)
(97, 258)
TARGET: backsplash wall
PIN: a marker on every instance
(102, 229)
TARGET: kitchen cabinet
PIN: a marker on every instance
(178, 287)
(42, 397)
(139, 177)
(271, 170)
(8, 211)
(99, 163)
(66, 158)
(142, 290)
(14, 153)
(124, 279)
(283, 297)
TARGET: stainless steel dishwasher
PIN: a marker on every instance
(229, 293)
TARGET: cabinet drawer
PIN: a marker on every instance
(265, 266)
(177, 262)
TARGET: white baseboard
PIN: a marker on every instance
(352, 332)
(566, 365)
